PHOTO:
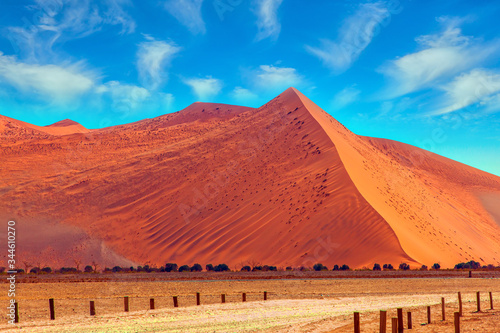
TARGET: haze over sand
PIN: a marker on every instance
(284, 184)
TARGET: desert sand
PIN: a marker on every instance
(284, 184)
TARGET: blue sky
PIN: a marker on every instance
(425, 73)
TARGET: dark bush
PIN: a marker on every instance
(404, 266)
(289, 268)
(256, 268)
(377, 267)
(2, 269)
(436, 266)
(146, 268)
(388, 267)
(335, 268)
(139, 268)
(132, 269)
(170, 267)
(116, 269)
(88, 269)
(20, 270)
(35, 270)
(246, 269)
(209, 268)
(68, 270)
(273, 268)
(221, 268)
(468, 265)
(320, 267)
(344, 268)
(184, 268)
(196, 268)
(424, 268)
(46, 270)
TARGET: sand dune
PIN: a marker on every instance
(284, 184)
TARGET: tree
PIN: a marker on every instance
(376, 267)
(35, 270)
(196, 268)
(344, 268)
(404, 266)
(46, 270)
(77, 262)
(289, 268)
(423, 268)
(335, 268)
(320, 267)
(185, 268)
(209, 268)
(170, 267)
(27, 265)
(388, 267)
(221, 268)
(246, 269)
(88, 269)
(116, 269)
(436, 266)
(95, 265)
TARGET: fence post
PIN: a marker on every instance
(92, 308)
(244, 297)
(16, 313)
(151, 303)
(401, 327)
(478, 302)
(198, 301)
(410, 324)
(223, 298)
(470, 274)
(265, 295)
(176, 303)
(443, 308)
(394, 325)
(383, 321)
(125, 303)
(460, 303)
(491, 301)
(52, 312)
(356, 323)
(428, 314)
(457, 322)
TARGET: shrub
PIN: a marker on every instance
(88, 269)
(46, 270)
(132, 269)
(436, 266)
(468, 265)
(273, 268)
(184, 268)
(404, 266)
(20, 270)
(209, 268)
(170, 267)
(423, 268)
(139, 268)
(377, 267)
(246, 269)
(335, 268)
(388, 267)
(289, 268)
(320, 267)
(344, 268)
(221, 268)
(2, 269)
(196, 268)
(68, 270)
(34, 270)
(116, 269)
(256, 268)
(146, 268)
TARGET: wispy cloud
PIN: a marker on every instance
(268, 24)
(188, 13)
(354, 36)
(55, 84)
(204, 88)
(243, 94)
(276, 78)
(153, 56)
(478, 87)
(442, 56)
(125, 99)
(345, 97)
(63, 20)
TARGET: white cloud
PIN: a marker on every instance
(63, 20)
(442, 56)
(267, 19)
(188, 13)
(273, 77)
(345, 97)
(479, 87)
(204, 88)
(152, 58)
(55, 84)
(356, 33)
(244, 95)
(125, 98)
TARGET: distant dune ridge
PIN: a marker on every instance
(284, 184)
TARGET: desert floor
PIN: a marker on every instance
(311, 304)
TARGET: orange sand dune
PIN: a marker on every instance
(15, 128)
(284, 184)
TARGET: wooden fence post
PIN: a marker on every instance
(394, 325)
(357, 329)
(401, 327)
(223, 298)
(92, 308)
(443, 308)
(198, 301)
(265, 295)
(428, 315)
(410, 324)
(176, 303)
(478, 302)
(244, 297)
(491, 301)
(151, 303)
(457, 322)
(125, 303)
(52, 312)
(16, 313)
(460, 303)
(383, 321)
